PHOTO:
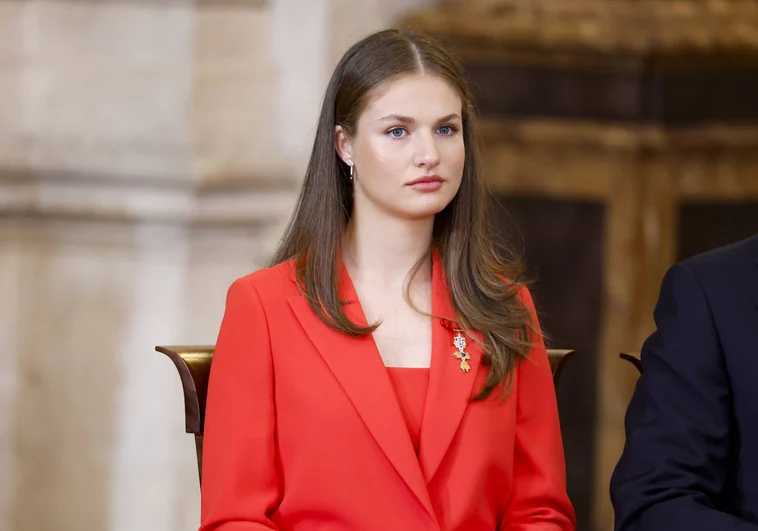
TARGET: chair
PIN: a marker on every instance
(632, 358)
(194, 365)
(558, 359)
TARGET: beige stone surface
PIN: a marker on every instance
(106, 87)
(11, 263)
(70, 330)
(12, 82)
(233, 87)
(11, 256)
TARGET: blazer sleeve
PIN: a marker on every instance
(539, 501)
(240, 488)
(678, 423)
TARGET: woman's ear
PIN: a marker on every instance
(343, 145)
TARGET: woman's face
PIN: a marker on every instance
(408, 148)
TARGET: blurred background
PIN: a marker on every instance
(151, 151)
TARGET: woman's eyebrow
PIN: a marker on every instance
(408, 120)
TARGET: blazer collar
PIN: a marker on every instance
(358, 367)
(449, 387)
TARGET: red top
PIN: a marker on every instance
(410, 386)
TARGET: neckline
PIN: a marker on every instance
(441, 307)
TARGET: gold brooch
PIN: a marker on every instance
(460, 343)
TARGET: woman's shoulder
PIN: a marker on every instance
(526, 297)
(273, 281)
(520, 289)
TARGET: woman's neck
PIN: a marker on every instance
(384, 253)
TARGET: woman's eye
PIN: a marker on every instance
(397, 132)
(446, 130)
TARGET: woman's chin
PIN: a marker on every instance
(427, 212)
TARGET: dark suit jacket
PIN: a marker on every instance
(691, 456)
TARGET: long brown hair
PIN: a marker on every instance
(483, 283)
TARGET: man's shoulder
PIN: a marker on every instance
(727, 260)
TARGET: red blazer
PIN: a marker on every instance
(303, 431)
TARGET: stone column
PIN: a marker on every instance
(136, 181)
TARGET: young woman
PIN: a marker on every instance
(387, 373)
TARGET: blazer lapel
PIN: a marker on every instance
(358, 367)
(449, 387)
